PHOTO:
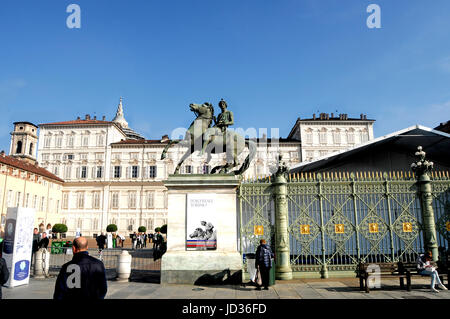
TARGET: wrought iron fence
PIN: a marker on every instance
(339, 219)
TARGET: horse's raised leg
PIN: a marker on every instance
(183, 158)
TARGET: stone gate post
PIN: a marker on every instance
(421, 168)
(283, 270)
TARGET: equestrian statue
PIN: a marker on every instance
(206, 138)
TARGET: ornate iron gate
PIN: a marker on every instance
(337, 220)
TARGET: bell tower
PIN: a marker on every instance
(24, 141)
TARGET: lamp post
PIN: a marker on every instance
(422, 168)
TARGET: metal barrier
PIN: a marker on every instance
(142, 259)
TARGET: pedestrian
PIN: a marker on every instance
(263, 263)
(43, 243)
(122, 239)
(133, 240)
(84, 277)
(425, 268)
(145, 239)
(35, 246)
(101, 241)
(4, 273)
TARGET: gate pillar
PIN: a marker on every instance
(421, 168)
(283, 270)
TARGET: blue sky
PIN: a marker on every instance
(272, 61)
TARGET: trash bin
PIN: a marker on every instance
(56, 247)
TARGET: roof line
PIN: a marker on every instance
(378, 139)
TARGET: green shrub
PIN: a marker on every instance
(111, 228)
(59, 228)
(164, 229)
(142, 229)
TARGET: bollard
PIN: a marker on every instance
(123, 266)
(38, 269)
(45, 261)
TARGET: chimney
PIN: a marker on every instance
(362, 116)
(327, 116)
(78, 117)
(314, 116)
(88, 117)
(2, 153)
(95, 117)
(365, 116)
(332, 115)
(103, 118)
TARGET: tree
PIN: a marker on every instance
(164, 229)
(59, 229)
(142, 229)
(111, 228)
(157, 229)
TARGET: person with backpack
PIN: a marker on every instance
(263, 263)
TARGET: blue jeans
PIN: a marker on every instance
(434, 276)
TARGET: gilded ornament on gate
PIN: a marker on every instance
(258, 230)
(305, 229)
(447, 226)
(407, 227)
(339, 228)
(373, 228)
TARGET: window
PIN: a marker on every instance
(47, 141)
(31, 149)
(134, 171)
(132, 200)
(35, 199)
(83, 172)
(59, 141)
(350, 137)
(206, 169)
(96, 200)
(309, 155)
(364, 137)
(152, 171)
(100, 139)
(45, 157)
(27, 200)
(99, 156)
(42, 204)
(65, 201)
(56, 170)
(18, 198)
(151, 156)
(99, 173)
(80, 199)
(115, 200)
(323, 136)
(166, 199)
(84, 156)
(150, 200)
(67, 172)
(134, 156)
(337, 137)
(188, 169)
(95, 224)
(309, 137)
(293, 154)
(117, 171)
(116, 156)
(69, 141)
(85, 140)
(322, 153)
(9, 202)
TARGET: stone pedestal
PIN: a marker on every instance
(181, 265)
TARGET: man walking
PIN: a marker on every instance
(264, 263)
(101, 240)
(84, 277)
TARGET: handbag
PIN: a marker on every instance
(258, 278)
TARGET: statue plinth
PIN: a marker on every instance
(204, 204)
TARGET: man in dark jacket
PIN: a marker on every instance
(4, 273)
(101, 241)
(43, 243)
(83, 277)
(264, 262)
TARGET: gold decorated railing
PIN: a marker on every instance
(339, 219)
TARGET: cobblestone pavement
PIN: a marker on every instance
(342, 288)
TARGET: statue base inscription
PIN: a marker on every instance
(202, 230)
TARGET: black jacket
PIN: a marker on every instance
(4, 274)
(92, 284)
(43, 243)
(101, 240)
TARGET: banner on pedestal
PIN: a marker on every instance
(201, 233)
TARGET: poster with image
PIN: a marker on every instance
(201, 232)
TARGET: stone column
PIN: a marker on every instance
(422, 168)
(283, 270)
